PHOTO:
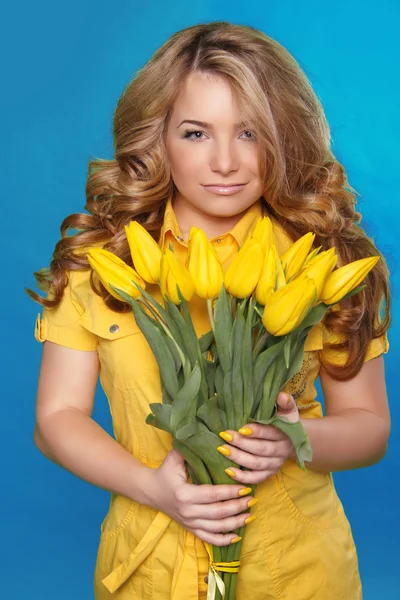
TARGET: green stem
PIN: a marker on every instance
(211, 314)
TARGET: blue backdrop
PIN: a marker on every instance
(65, 66)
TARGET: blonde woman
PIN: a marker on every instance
(219, 127)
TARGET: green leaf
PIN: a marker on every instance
(223, 329)
(299, 439)
(286, 350)
(185, 432)
(162, 416)
(236, 373)
(210, 367)
(261, 366)
(212, 415)
(206, 340)
(161, 351)
(248, 363)
(219, 386)
(185, 403)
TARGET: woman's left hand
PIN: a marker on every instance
(262, 449)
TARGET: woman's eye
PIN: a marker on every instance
(192, 135)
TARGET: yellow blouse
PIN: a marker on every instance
(300, 546)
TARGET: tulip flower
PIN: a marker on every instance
(320, 267)
(145, 252)
(286, 308)
(280, 275)
(204, 265)
(345, 279)
(112, 270)
(294, 257)
(267, 282)
(244, 272)
(173, 272)
(263, 233)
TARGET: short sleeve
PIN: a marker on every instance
(376, 347)
(62, 324)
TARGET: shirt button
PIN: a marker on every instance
(219, 240)
(205, 579)
(114, 328)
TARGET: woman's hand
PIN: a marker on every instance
(262, 449)
(208, 511)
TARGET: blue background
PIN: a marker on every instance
(64, 68)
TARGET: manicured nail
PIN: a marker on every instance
(245, 431)
(250, 519)
(244, 491)
(224, 451)
(228, 437)
(236, 540)
(252, 502)
(230, 472)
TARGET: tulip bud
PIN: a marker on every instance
(244, 272)
(320, 267)
(345, 279)
(267, 282)
(280, 275)
(145, 252)
(112, 270)
(294, 257)
(286, 308)
(204, 265)
(173, 272)
(263, 233)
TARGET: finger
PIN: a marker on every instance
(252, 431)
(210, 494)
(258, 447)
(221, 525)
(258, 456)
(252, 477)
(219, 510)
(216, 539)
(287, 407)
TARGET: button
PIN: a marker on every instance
(219, 240)
(179, 238)
(114, 328)
(206, 579)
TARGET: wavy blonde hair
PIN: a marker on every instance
(306, 187)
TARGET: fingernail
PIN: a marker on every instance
(236, 540)
(250, 519)
(252, 502)
(230, 472)
(245, 431)
(224, 451)
(244, 491)
(228, 437)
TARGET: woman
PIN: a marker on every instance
(218, 105)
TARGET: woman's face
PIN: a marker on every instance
(218, 151)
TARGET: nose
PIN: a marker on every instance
(224, 158)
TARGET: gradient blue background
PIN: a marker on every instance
(63, 70)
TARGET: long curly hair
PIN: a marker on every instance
(305, 186)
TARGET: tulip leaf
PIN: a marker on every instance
(184, 406)
(174, 351)
(296, 361)
(219, 386)
(228, 400)
(212, 415)
(298, 437)
(261, 365)
(209, 369)
(162, 416)
(247, 363)
(160, 349)
(196, 466)
(223, 328)
(166, 398)
(183, 433)
(286, 350)
(177, 327)
(236, 372)
(206, 340)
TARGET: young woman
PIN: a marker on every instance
(219, 127)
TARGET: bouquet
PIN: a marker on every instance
(260, 313)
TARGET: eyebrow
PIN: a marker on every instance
(208, 125)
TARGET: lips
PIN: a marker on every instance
(225, 189)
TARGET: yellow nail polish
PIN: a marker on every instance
(244, 491)
(236, 540)
(252, 502)
(250, 519)
(228, 437)
(245, 431)
(224, 451)
(230, 472)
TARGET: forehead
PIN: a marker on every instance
(206, 97)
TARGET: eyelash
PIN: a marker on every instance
(189, 132)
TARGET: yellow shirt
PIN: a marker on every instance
(300, 546)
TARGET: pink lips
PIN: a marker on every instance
(225, 190)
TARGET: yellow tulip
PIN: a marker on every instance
(280, 275)
(204, 265)
(112, 270)
(320, 267)
(173, 272)
(267, 282)
(145, 252)
(244, 272)
(286, 308)
(345, 279)
(311, 256)
(263, 233)
(294, 257)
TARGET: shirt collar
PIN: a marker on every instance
(239, 232)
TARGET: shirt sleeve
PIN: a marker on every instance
(376, 347)
(62, 324)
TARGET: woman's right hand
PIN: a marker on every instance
(211, 512)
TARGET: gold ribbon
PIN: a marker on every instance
(214, 579)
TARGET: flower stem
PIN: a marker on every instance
(211, 313)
